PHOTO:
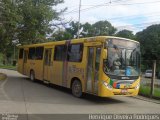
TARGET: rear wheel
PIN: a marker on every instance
(77, 88)
(32, 76)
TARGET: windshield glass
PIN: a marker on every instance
(123, 58)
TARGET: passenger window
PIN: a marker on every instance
(39, 53)
(98, 54)
(75, 52)
(31, 53)
(48, 54)
(60, 53)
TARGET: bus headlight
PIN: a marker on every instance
(137, 87)
(108, 86)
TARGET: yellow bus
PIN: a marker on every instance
(103, 65)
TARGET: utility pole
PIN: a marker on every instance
(153, 78)
(79, 17)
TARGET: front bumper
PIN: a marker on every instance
(105, 92)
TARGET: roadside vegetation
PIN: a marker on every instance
(10, 67)
(145, 90)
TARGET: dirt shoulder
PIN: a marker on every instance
(3, 76)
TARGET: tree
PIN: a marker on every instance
(8, 25)
(150, 42)
(61, 35)
(86, 30)
(149, 39)
(103, 28)
(73, 29)
(25, 21)
(37, 15)
(126, 34)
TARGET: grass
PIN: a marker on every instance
(7, 66)
(145, 90)
(10, 67)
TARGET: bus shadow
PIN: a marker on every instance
(50, 93)
(86, 97)
(101, 100)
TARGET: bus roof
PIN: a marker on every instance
(80, 40)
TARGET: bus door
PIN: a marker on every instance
(48, 66)
(25, 62)
(93, 64)
(60, 63)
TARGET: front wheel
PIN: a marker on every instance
(77, 88)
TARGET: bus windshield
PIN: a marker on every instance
(123, 58)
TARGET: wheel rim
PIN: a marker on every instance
(77, 89)
(32, 76)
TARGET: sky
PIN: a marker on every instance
(134, 15)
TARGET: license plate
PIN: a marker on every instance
(124, 91)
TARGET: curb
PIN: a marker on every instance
(144, 98)
(147, 96)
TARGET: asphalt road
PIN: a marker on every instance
(18, 95)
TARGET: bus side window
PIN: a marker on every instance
(75, 52)
(47, 57)
(31, 54)
(39, 53)
(60, 53)
(21, 53)
(98, 54)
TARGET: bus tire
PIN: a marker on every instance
(32, 76)
(77, 88)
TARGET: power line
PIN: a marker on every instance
(153, 2)
(105, 4)
(140, 24)
(102, 4)
(92, 7)
(134, 16)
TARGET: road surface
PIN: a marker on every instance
(19, 95)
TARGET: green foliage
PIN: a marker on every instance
(36, 15)
(1, 57)
(26, 21)
(86, 30)
(61, 35)
(125, 34)
(9, 18)
(9, 67)
(103, 28)
(150, 42)
(145, 90)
